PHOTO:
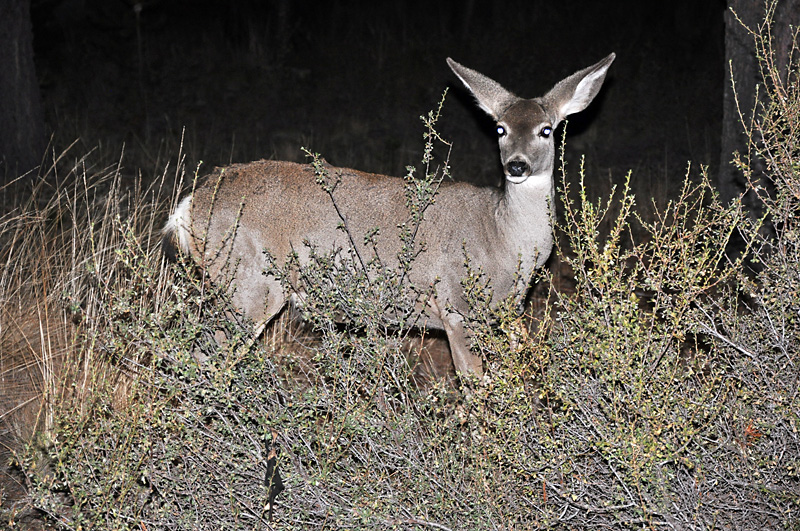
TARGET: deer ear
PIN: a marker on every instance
(575, 93)
(491, 96)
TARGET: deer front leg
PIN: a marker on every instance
(464, 360)
(453, 323)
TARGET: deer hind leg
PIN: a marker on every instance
(259, 299)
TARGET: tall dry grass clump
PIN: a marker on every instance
(61, 249)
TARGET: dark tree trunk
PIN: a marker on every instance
(22, 138)
(740, 59)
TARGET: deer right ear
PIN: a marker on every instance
(575, 93)
(491, 96)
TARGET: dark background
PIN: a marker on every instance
(259, 79)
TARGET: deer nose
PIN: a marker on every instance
(516, 168)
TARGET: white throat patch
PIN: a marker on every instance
(522, 178)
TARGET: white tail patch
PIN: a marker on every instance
(178, 224)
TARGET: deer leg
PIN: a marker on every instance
(464, 360)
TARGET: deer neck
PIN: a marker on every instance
(525, 217)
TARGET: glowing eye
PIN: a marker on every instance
(546, 131)
(501, 131)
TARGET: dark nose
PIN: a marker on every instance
(516, 168)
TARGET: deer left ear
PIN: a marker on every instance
(575, 93)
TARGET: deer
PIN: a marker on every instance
(278, 207)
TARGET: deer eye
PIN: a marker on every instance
(501, 131)
(546, 131)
